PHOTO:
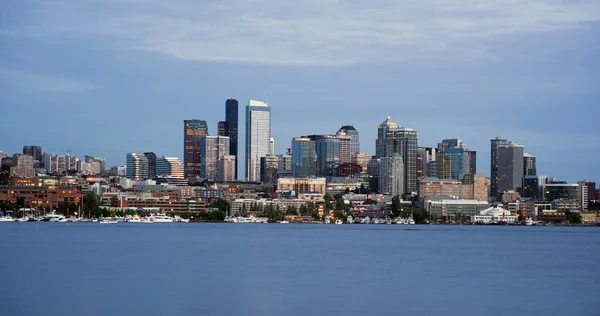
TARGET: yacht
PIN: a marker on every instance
(51, 217)
(528, 221)
(22, 219)
(134, 219)
(338, 221)
(161, 218)
(146, 220)
(284, 222)
(178, 219)
(58, 218)
(6, 218)
(108, 220)
(349, 219)
(366, 220)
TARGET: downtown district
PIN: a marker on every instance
(319, 177)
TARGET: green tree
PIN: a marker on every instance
(220, 204)
(291, 210)
(572, 217)
(396, 206)
(273, 215)
(420, 215)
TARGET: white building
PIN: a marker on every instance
(212, 149)
(451, 208)
(494, 214)
(170, 167)
(90, 167)
(391, 175)
(258, 137)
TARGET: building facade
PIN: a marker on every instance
(151, 157)
(169, 167)
(212, 149)
(193, 131)
(392, 139)
(391, 175)
(137, 166)
(529, 165)
(226, 168)
(258, 135)
(510, 167)
(494, 168)
(303, 157)
(349, 130)
(302, 185)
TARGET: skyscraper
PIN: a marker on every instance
(327, 150)
(151, 157)
(193, 131)
(36, 153)
(226, 168)
(529, 162)
(137, 166)
(258, 134)
(303, 157)
(392, 139)
(349, 130)
(426, 162)
(222, 128)
(498, 141)
(533, 187)
(269, 166)
(454, 160)
(510, 167)
(231, 117)
(391, 179)
(170, 167)
(271, 145)
(345, 148)
(212, 149)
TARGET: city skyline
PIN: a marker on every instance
(469, 77)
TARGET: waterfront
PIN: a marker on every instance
(229, 269)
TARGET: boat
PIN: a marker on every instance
(338, 221)
(366, 220)
(146, 220)
(107, 220)
(410, 221)
(133, 219)
(161, 218)
(349, 219)
(178, 219)
(51, 217)
(6, 218)
(22, 219)
(284, 222)
(528, 221)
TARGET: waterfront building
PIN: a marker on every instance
(258, 135)
(137, 166)
(510, 196)
(169, 167)
(494, 214)
(392, 139)
(529, 165)
(391, 175)
(455, 209)
(586, 191)
(226, 168)
(561, 191)
(533, 187)
(41, 197)
(303, 157)
(510, 167)
(212, 149)
(494, 167)
(433, 187)
(151, 157)
(302, 185)
(193, 131)
(349, 130)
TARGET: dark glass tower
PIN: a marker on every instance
(231, 118)
(498, 141)
(151, 164)
(193, 131)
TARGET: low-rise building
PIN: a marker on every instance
(494, 214)
(453, 209)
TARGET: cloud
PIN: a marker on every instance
(42, 83)
(321, 32)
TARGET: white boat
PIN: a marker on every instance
(410, 221)
(51, 217)
(134, 219)
(58, 219)
(178, 219)
(366, 220)
(6, 218)
(62, 220)
(399, 221)
(529, 221)
(161, 218)
(284, 222)
(338, 221)
(349, 219)
(146, 220)
(22, 219)
(108, 221)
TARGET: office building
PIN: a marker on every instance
(529, 168)
(532, 187)
(258, 136)
(349, 130)
(392, 139)
(426, 162)
(561, 191)
(373, 172)
(349, 169)
(36, 153)
(226, 168)
(212, 149)
(231, 117)
(71, 163)
(479, 185)
(169, 167)
(302, 185)
(510, 167)
(391, 175)
(101, 161)
(454, 160)
(193, 131)
(303, 157)
(327, 149)
(269, 166)
(222, 128)
(137, 166)
(284, 163)
(151, 157)
(361, 159)
(345, 148)
(90, 168)
(24, 167)
(494, 167)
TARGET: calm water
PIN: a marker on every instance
(276, 269)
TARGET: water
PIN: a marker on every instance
(277, 269)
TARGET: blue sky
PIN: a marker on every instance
(110, 77)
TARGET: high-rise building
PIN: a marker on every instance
(72, 163)
(591, 190)
(24, 167)
(169, 167)
(269, 166)
(533, 187)
(349, 130)
(36, 153)
(193, 131)
(151, 157)
(222, 128)
(271, 146)
(284, 163)
(392, 139)
(480, 185)
(101, 161)
(391, 176)
(258, 134)
(212, 149)
(361, 159)
(529, 168)
(327, 149)
(454, 160)
(584, 194)
(137, 166)
(494, 191)
(226, 168)
(303, 157)
(231, 117)
(345, 148)
(3, 154)
(510, 167)
(373, 172)
(425, 158)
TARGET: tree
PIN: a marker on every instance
(420, 215)
(291, 210)
(220, 204)
(572, 217)
(304, 210)
(273, 215)
(396, 206)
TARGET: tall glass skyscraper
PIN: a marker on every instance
(529, 168)
(213, 149)
(137, 166)
(392, 139)
(258, 136)
(510, 167)
(193, 131)
(231, 117)
(498, 141)
(303, 157)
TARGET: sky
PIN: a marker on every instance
(107, 77)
